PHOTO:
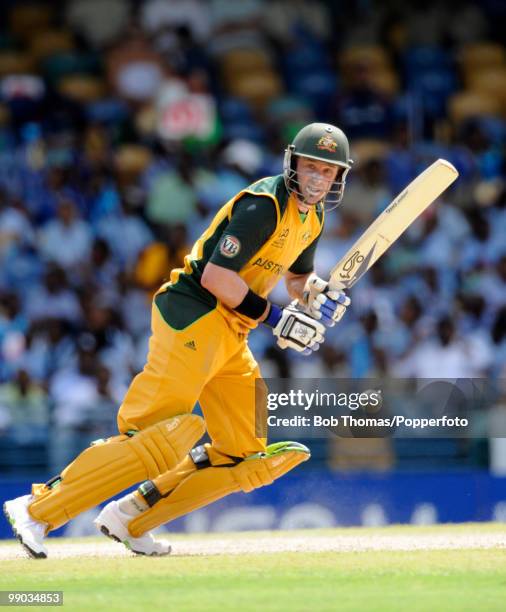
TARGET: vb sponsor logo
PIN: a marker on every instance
(230, 246)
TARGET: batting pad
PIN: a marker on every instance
(110, 466)
(206, 485)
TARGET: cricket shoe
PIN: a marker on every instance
(113, 523)
(27, 530)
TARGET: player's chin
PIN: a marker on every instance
(313, 200)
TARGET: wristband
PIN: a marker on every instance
(252, 306)
(275, 313)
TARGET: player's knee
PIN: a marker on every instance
(158, 447)
(163, 445)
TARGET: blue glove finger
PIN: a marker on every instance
(343, 299)
(329, 309)
(339, 297)
(327, 320)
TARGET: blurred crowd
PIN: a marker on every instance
(125, 125)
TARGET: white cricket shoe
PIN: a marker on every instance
(113, 523)
(27, 530)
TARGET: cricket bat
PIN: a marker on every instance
(392, 222)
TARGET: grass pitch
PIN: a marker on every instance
(444, 568)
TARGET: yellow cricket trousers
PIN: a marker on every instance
(206, 362)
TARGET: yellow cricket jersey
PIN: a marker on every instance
(265, 241)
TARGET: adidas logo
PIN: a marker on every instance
(191, 345)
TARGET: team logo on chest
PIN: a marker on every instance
(306, 236)
(279, 243)
(230, 246)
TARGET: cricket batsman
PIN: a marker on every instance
(198, 352)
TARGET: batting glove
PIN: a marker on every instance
(294, 329)
(322, 302)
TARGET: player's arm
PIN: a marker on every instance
(226, 285)
(293, 328)
(301, 271)
(295, 284)
(238, 244)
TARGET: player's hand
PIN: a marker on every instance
(323, 303)
(296, 330)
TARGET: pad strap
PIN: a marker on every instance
(200, 457)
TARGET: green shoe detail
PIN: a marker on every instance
(281, 447)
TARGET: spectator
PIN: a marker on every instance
(26, 403)
(236, 25)
(100, 22)
(15, 225)
(112, 345)
(13, 328)
(173, 198)
(161, 16)
(100, 271)
(448, 355)
(365, 112)
(367, 194)
(126, 234)
(156, 261)
(135, 70)
(54, 299)
(65, 240)
(49, 347)
(478, 250)
(491, 282)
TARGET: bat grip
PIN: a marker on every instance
(337, 286)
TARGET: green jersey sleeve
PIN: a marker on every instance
(253, 222)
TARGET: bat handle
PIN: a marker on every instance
(337, 285)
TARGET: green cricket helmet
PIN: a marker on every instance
(323, 142)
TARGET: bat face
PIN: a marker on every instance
(392, 222)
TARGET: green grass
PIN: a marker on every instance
(374, 581)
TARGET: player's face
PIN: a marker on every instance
(315, 178)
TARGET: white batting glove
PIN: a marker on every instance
(295, 329)
(324, 303)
